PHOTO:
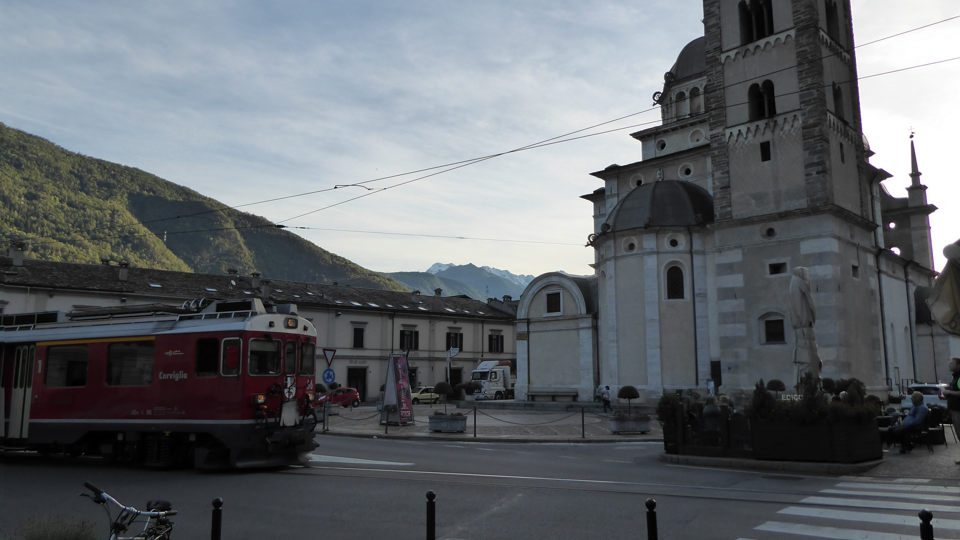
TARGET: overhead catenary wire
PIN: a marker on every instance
(535, 145)
(464, 163)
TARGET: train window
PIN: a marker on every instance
(290, 358)
(130, 364)
(67, 366)
(264, 357)
(308, 354)
(230, 357)
(207, 352)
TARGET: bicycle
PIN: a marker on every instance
(156, 527)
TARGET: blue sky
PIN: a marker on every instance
(245, 101)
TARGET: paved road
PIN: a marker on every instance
(367, 488)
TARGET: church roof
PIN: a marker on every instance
(692, 60)
(668, 203)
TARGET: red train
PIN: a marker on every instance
(221, 384)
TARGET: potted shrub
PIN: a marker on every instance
(813, 429)
(667, 416)
(629, 421)
(776, 386)
(443, 422)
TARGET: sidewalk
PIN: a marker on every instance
(491, 426)
(524, 426)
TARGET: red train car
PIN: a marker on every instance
(229, 383)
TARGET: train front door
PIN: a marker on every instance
(21, 391)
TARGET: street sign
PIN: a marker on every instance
(328, 354)
(329, 376)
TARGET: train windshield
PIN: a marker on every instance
(307, 359)
(264, 357)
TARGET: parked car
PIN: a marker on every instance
(425, 394)
(343, 396)
(932, 394)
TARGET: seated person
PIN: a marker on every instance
(912, 423)
(726, 402)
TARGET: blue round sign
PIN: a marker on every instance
(329, 376)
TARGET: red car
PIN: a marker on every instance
(343, 396)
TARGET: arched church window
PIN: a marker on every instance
(838, 102)
(681, 105)
(762, 101)
(769, 99)
(696, 101)
(746, 23)
(674, 283)
(833, 19)
(756, 20)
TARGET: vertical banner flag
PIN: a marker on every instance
(396, 392)
(404, 398)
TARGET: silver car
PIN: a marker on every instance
(932, 394)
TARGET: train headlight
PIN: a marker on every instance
(259, 400)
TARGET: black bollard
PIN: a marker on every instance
(926, 528)
(583, 431)
(651, 519)
(474, 421)
(215, 523)
(431, 516)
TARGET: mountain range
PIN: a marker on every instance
(478, 282)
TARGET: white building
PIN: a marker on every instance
(364, 326)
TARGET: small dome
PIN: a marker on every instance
(668, 203)
(692, 61)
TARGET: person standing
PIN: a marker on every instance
(605, 397)
(952, 393)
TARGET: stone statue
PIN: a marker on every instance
(944, 300)
(803, 315)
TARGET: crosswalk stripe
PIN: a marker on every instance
(879, 505)
(869, 517)
(314, 458)
(885, 480)
(830, 532)
(919, 496)
(900, 487)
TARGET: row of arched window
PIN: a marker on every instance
(685, 105)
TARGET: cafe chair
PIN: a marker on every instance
(932, 432)
(946, 419)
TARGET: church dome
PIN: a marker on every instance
(668, 203)
(691, 62)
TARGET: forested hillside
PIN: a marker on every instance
(74, 208)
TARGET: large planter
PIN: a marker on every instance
(630, 423)
(821, 442)
(448, 423)
(670, 443)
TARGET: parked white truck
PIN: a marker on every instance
(496, 378)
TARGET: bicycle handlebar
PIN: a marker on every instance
(102, 497)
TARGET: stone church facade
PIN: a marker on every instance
(759, 166)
